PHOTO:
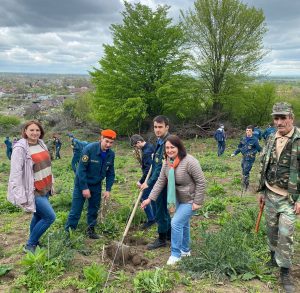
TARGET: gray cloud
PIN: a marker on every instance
(67, 36)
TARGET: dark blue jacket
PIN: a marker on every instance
(268, 131)
(157, 161)
(58, 143)
(220, 135)
(257, 133)
(147, 152)
(92, 168)
(78, 146)
(8, 143)
(248, 146)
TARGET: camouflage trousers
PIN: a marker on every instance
(280, 219)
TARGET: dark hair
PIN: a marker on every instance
(37, 123)
(135, 138)
(177, 142)
(161, 119)
(250, 127)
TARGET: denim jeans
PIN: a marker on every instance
(77, 207)
(180, 235)
(221, 147)
(41, 219)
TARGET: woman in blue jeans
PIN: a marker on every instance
(30, 181)
(183, 175)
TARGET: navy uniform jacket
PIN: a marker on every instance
(92, 168)
(220, 135)
(8, 143)
(268, 131)
(157, 161)
(248, 146)
(257, 133)
(147, 152)
(78, 146)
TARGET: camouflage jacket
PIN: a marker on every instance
(294, 177)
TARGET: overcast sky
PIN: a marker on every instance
(67, 36)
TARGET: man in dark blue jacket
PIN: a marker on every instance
(161, 130)
(270, 129)
(220, 137)
(8, 144)
(248, 147)
(77, 147)
(96, 163)
(147, 149)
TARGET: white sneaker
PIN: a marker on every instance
(184, 254)
(173, 260)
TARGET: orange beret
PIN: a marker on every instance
(108, 133)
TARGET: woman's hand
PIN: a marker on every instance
(145, 203)
(196, 206)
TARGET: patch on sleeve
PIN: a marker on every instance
(85, 158)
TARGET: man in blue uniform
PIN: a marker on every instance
(257, 132)
(8, 144)
(58, 144)
(220, 137)
(270, 129)
(161, 130)
(77, 147)
(96, 163)
(147, 149)
(248, 147)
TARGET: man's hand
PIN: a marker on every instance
(261, 199)
(144, 186)
(106, 195)
(86, 193)
(297, 208)
(139, 184)
(196, 206)
(145, 203)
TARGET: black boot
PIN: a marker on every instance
(159, 242)
(92, 234)
(272, 262)
(169, 235)
(286, 281)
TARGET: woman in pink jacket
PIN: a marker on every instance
(30, 181)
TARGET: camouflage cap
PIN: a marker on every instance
(135, 138)
(282, 108)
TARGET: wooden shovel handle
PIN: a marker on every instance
(262, 205)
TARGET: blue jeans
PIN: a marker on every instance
(77, 207)
(41, 219)
(246, 164)
(150, 209)
(180, 235)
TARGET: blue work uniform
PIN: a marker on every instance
(162, 214)
(57, 148)
(220, 137)
(8, 144)
(147, 151)
(268, 131)
(257, 133)
(248, 147)
(77, 146)
(94, 166)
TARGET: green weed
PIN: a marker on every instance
(95, 276)
(156, 281)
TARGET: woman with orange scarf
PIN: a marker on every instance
(186, 188)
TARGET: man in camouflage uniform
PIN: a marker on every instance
(248, 147)
(280, 184)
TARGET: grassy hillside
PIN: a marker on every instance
(222, 236)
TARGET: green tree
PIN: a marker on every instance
(146, 54)
(253, 105)
(227, 39)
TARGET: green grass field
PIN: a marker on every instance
(227, 256)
